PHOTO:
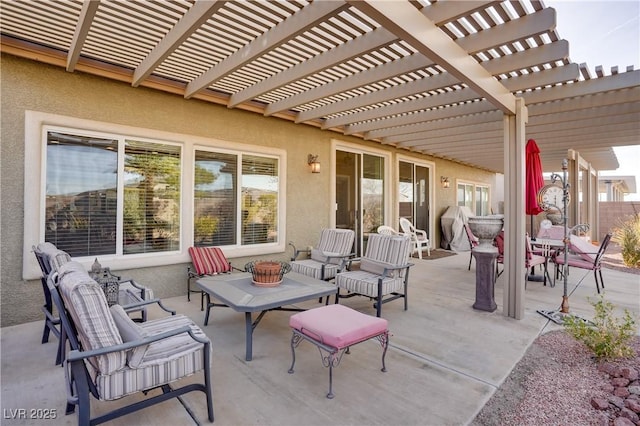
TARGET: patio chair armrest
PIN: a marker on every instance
(421, 232)
(330, 256)
(297, 252)
(76, 355)
(388, 269)
(136, 306)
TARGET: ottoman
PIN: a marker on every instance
(333, 329)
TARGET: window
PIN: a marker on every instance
(474, 196)
(82, 196)
(138, 197)
(227, 211)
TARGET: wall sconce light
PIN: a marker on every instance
(444, 181)
(312, 160)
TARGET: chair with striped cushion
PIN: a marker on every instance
(49, 257)
(206, 261)
(112, 356)
(328, 257)
(383, 274)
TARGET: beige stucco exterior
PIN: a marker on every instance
(30, 86)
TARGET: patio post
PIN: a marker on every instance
(514, 209)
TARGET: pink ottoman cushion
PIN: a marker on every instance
(337, 326)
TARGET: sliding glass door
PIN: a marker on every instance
(413, 194)
(359, 194)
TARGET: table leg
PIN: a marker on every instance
(248, 325)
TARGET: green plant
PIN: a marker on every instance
(627, 235)
(606, 336)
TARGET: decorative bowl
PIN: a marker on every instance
(267, 273)
(486, 228)
(555, 216)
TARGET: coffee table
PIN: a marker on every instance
(238, 292)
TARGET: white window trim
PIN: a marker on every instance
(475, 186)
(35, 180)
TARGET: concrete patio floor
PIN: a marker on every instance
(444, 362)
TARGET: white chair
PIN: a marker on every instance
(387, 230)
(418, 237)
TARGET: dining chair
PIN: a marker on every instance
(532, 260)
(583, 255)
(473, 242)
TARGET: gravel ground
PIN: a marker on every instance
(555, 380)
(551, 385)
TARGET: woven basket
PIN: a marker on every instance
(267, 273)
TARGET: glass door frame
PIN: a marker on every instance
(388, 192)
(431, 168)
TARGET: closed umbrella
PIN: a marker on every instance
(534, 180)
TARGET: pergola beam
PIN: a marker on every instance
(405, 21)
(199, 13)
(288, 29)
(89, 9)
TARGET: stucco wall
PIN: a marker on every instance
(28, 85)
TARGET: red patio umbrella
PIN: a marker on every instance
(534, 180)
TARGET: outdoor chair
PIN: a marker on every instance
(387, 230)
(383, 272)
(111, 356)
(473, 242)
(583, 255)
(418, 237)
(206, 261)
(45, 253)
(532, 260)
(499, 243)
(328, 258)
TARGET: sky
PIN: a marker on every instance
(607, 33)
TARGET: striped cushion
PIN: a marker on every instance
(334, 241)
(311, 268)
(209, 260)
(164, 361)
(366, 283)
(130, 332)
(56, 257)
(388, 249)
(132, 380)
(88, 308)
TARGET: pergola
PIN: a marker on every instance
(467, 81)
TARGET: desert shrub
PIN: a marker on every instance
(627, 235)
(606, 336)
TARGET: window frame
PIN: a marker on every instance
(38, 123)
(474, 186)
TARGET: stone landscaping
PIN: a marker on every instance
(622, 405)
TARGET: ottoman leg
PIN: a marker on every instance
(330, 395)
(295, 341)
(384, 341)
